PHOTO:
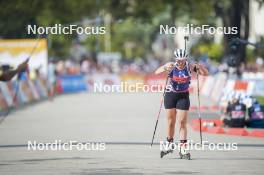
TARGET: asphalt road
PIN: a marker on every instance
(124, 122)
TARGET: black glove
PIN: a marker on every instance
(196, 68)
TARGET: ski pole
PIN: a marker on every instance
(198, 98)
(186, 38)
(158, 114)
(19, 77)
(20, 74)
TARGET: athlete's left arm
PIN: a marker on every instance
(9, 74)
(202, 70)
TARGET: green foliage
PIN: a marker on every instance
(250, 55)
(17, 14)
(260, 99)
(133, 36)
(214, 51)
(260, 51)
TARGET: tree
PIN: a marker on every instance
(234, 13)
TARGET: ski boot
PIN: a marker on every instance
(184, 151)
(169, 148)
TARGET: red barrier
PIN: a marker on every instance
(205, 108)
(237, 131)
(215, 122)
(192, 108)
(215, 108)
(241, 85)
(257, 133)
(197, 128)
(215, 130)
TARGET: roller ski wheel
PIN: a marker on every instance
(185, 156)
(184, 152)
(169, 143)
(163, 153)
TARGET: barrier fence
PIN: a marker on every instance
(17, 93)
(214, 87)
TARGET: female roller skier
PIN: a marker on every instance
(176, 98)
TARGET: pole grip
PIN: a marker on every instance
(186, 38)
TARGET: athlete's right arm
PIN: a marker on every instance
(165, 68)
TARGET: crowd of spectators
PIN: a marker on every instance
(90, 66)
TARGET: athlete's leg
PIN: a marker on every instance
(182, 119)
(184, 149)
(171, 114)
(182, 106)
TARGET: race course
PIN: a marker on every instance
(125, 122)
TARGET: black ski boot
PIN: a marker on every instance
(184, 151)
(169, 149)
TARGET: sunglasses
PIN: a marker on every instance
(180, 61)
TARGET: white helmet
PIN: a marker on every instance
(180, 54)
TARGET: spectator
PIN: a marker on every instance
(256, 115)
(235, 114)
(51, 79)
(6, 74)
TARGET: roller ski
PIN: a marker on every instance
(169, 148)
(184, 152)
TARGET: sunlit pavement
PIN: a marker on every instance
(125, 122)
